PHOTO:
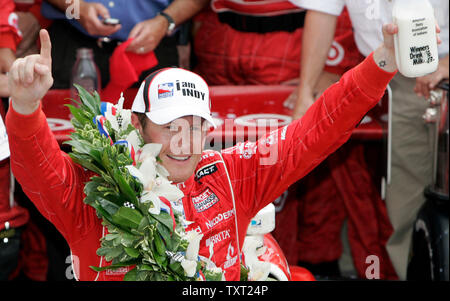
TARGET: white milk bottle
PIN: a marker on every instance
(416, 51)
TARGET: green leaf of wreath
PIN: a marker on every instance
(127, 217)
(164, 218)
(132, 252)
(131, 275)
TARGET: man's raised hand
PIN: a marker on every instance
(31, 77)
(384, 56)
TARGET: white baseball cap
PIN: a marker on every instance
(171, 93)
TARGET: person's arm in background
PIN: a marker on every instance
(29, 27)
(149, 33)
(427, 83)
(4, 90)
(7, 57)
(318, 34)
(90, 13)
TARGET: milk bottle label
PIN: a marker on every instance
(415, 43)
(420, 54)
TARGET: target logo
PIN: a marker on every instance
(263, 120)
(336, 54)
(57, 124)
(13, 20)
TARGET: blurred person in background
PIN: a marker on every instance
(259, 43)
(23, 251)
(153, 26)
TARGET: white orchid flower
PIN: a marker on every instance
(134, 139)
(120, 102)
(258, 270)
(149, 174)
(166, 189)
(211, 266)
(112, 121)
(161, 170)
(217, 270)
(153, 198)
(135, 172)
(121, 119)
(146, 173)
(149, 150)
(190, 267)
(193, 238)
(148, 170)
(125, 116)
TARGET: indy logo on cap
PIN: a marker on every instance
(165, 90)
(189, 89)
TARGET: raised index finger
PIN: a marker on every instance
(46, 47)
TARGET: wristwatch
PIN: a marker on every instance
(172, 24)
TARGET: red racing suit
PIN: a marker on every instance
(227, 189)
(9, 25)
(10, 35)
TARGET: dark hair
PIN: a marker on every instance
(142, 119)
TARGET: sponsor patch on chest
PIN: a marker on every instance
(205, 200)
(205, 171)
(219, 218)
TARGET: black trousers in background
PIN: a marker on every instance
(9, 255)
(66, 40)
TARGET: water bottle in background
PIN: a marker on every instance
(416, 50)
(85, 73)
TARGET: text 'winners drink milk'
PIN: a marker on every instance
(416, 51)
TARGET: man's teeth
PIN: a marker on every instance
(179, 158)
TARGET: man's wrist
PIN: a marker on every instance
(169, 21)
(385, 59)
(305, 91)
(15, 121)
(24, 109)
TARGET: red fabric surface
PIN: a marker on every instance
(228, 57)
(338, 189)
(9, 34)
(125, 68)
(255, 7)
(33, 259)
(16, 216)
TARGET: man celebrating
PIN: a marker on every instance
(239, 182)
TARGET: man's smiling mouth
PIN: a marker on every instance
(179, 158)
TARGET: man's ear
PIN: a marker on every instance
(136, 123)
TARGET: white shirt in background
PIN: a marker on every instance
(368, 17)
